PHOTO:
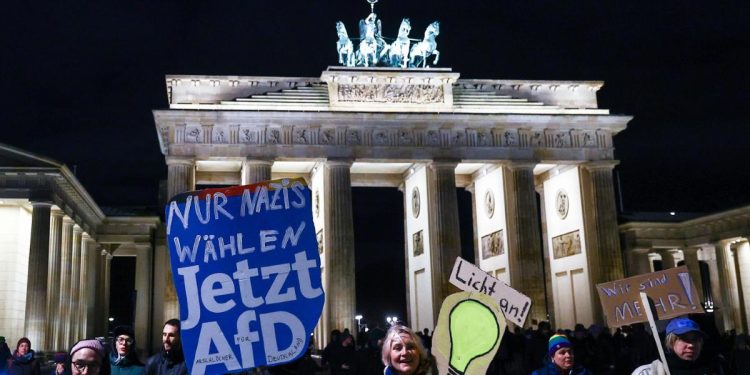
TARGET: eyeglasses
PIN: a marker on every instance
(125, 341)
(82, 366)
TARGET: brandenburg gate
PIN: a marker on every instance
(537, 156)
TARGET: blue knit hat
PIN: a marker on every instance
(557, 342)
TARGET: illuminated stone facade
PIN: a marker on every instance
(504, 140)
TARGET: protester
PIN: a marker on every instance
(61, 361)
(684, 345)
(88, 357)
(123, 357)
(22, 362)
(403, 354)
(170, 360)
(343, 357)
(4, 356)
(561, 359)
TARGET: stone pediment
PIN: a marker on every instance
(14, 157)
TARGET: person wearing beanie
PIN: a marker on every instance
(684, 347)
(561, 360)
(170, 361)
(22, 362)
(123, 358)
(89, 357)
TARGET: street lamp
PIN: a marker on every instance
(359, 321)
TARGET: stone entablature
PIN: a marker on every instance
(209, 92)
(390, 90)
(387, 136)
(704, 230)
(128, 230)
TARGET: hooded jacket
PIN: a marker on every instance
(129, 364)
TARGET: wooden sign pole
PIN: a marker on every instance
(654, 331)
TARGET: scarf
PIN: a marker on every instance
(22, 359)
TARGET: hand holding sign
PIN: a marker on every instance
(247, 274)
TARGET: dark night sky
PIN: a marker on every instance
(79, 80)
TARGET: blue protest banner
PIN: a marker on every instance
(247, 272)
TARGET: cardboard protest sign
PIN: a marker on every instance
(468, 333)
(247, 272)
(672, 292)
(468, 277)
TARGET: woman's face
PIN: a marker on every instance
(85, 361)
(404, 355)
(23, 348)
(688, 346)
(123, 344)
(564, 358)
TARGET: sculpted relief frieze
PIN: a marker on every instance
(391, 93)
(382, 136)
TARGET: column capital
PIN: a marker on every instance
(443, 163)
(77, 228)
(180, 160)
(339, 162)
(519, 164)
(68, 220)
(251, 160)
(600, 165)
(57, 212)
(40, 203)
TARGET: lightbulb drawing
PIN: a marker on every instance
(474, 332)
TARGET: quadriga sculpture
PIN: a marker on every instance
(426, 48)
(398, 53)
(344, 46)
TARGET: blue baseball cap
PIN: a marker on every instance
(683, 325)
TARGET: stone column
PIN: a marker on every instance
(691, 261)
(742, 264)
(106, 282)
(36, 285)
(53, 279)
(549, 300)
(143, 285)
(729, 303)
(63, 291)
(86, 302)
(638, 261)
(445, 236)
(603, 254)
(180, 175)
(525, 256)
(254, 171)
(667, 259)
(100, 312)
(75, 282)
(339, 237)
(181, 178)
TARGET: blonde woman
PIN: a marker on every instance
(403, 353)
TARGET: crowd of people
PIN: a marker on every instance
(689, 347)
(90, 357)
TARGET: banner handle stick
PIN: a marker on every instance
(654, 331)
